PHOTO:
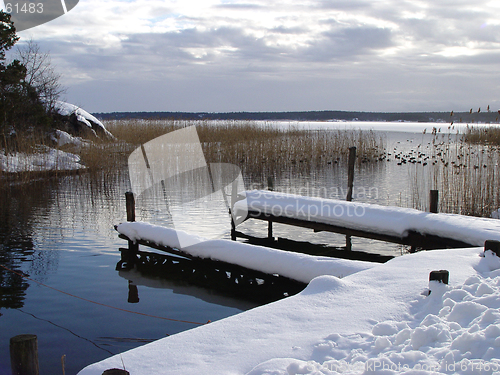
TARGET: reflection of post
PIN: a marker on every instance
(116, 371)
(133, 293)
(24, 355)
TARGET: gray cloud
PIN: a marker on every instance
(356, 55)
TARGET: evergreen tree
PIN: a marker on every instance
(21, 107)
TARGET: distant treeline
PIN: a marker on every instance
(447, 117)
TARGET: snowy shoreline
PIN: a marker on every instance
(379, 320)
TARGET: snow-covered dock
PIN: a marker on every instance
(392, 224)
(379, 320)
(299, 267)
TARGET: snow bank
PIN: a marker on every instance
(453, 330)
(47, 159)
(394, 221)
(380, 316)
(301, 267)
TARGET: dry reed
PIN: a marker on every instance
(466, 174)
(261, 148)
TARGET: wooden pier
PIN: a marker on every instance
(230, 279)
(415, 240)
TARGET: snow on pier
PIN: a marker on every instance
(364, 218)
(300, 267)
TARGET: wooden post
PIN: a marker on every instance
(130, 203)
(233, 230)
(24, 355)
(270, 183)
(493, 246)
(350, 184)
(348, 243)
(350, 173)
(434, 201)
(130, 255)
(441, 276)
(116, 371)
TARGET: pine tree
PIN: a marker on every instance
(21, 107)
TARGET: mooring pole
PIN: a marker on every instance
(130, 203)
(493, 246)
(350, 185)
(24, 355)
(234, 193)
(129, 256)
(270, 230)
(434, 201)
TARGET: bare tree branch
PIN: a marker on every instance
(41, 75)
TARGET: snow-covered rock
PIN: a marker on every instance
(82, 121)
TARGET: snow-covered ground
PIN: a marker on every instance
(46, 159)
(381, 320)
(50, 159)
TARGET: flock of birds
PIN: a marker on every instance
(459, 156)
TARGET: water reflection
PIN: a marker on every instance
(138, 279)
(18, 206)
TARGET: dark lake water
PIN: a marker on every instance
(59, 232)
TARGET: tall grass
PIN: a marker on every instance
(261, 148)
(466, 173)
(485, 135)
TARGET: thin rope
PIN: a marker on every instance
(99, 303)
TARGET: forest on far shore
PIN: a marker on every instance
(471, 116)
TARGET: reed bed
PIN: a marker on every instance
(259, 148)
(466, 174)
(485, 135)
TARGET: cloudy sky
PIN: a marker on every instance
(277, 55)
